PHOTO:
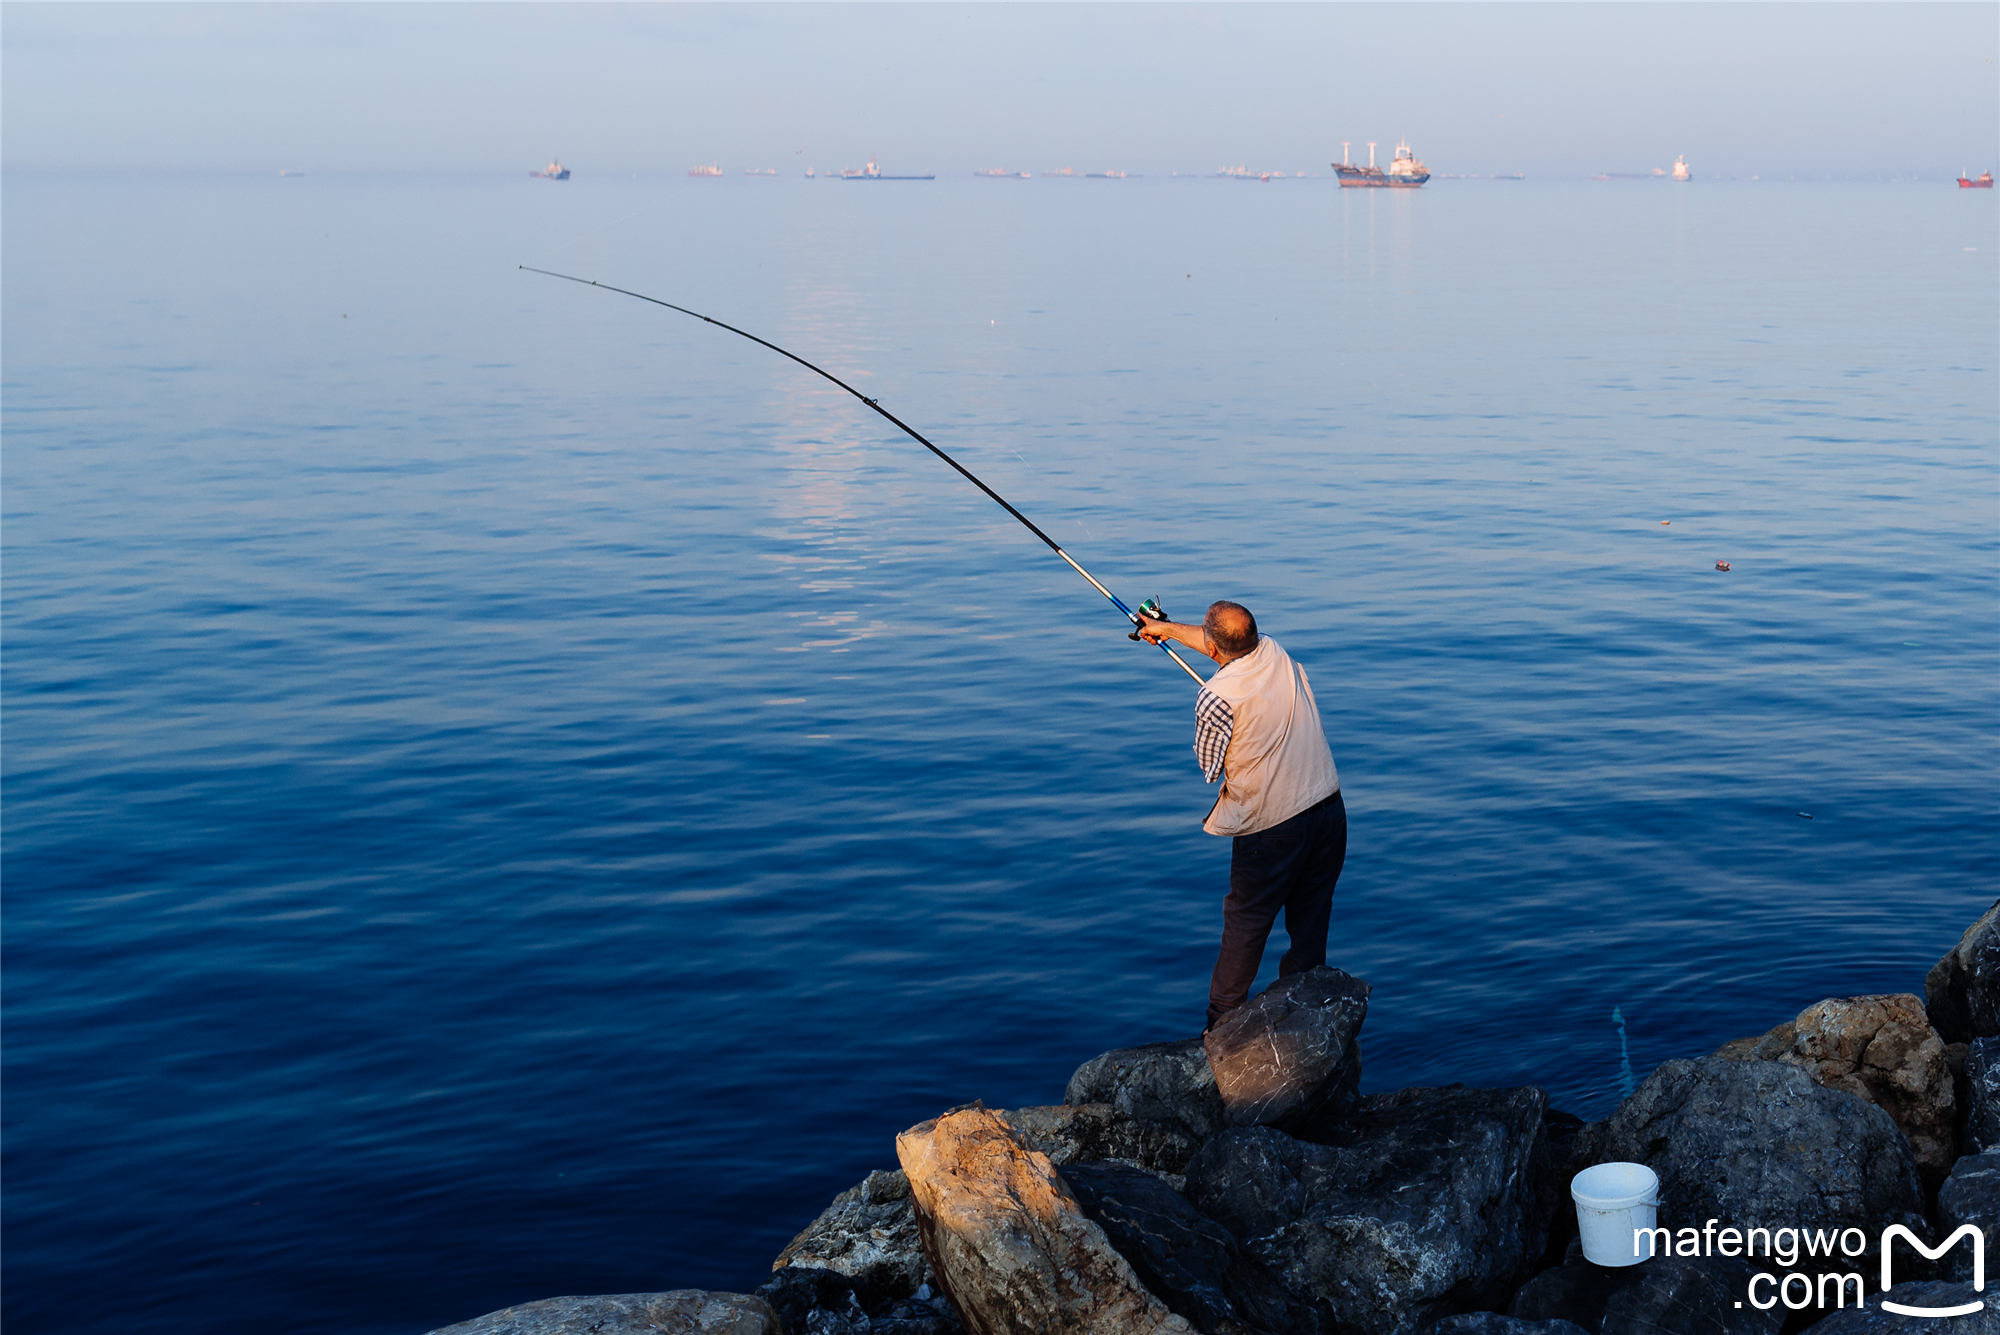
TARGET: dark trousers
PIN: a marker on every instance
(1291, 866)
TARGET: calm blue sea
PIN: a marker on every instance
(510, 791)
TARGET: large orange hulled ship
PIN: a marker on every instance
(1984, 181)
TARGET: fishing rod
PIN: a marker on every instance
(1149, 607)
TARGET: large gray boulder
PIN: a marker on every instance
(1091, 1132)
(1962, 990)
(1493, 1323)
(1288, 1057)
(1005, 1234)
(1982, 1095)
(1663, 1296)
(869, 1234)
(1971, 1195)
(679, 1312)
(1195, 1265)
(1872, 1320)
(1757, 1143)
(1166, 1083)
(1422, 1204)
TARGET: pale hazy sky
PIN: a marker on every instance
(1853, 90)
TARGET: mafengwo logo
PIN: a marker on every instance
(1966, 1231)
(1797, 1289)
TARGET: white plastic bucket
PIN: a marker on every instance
(1613, 1201)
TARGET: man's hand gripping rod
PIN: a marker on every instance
(1150, 608)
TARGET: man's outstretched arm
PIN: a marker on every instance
(1194, 637)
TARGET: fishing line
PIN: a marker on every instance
(900, 425)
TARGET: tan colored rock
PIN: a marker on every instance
(869, 1233)
(1884, 1049)
(1009, 1242)
(680, 1312)
(1879, 1048)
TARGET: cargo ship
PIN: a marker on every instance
(1984, 181)
(1681, 172)
(555, 171)
(711, 170)
(1405, 173)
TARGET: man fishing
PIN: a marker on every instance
(1256, 726)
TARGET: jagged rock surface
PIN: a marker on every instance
(1288, 1057)
(1423, 1203)
(679, 1312)
(1091, 1132)
(812, 1301)
(1883, 1049)
(1757, 1140)
(1663, 1296)
(1167, 1083)
(1962, 990)
(1971, 1195)
(1879, 1048)
(869, 1237)
(1195, 1265)
(1872, 1320)
(1493, 1323)
(869, 1234)
(1982, 1095)
(1006, 1236)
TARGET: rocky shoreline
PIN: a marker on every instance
(1238, 1184)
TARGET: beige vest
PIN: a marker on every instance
(1278, 762)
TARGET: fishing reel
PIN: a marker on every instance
(1151, 610)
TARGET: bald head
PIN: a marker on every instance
(1232, 628)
